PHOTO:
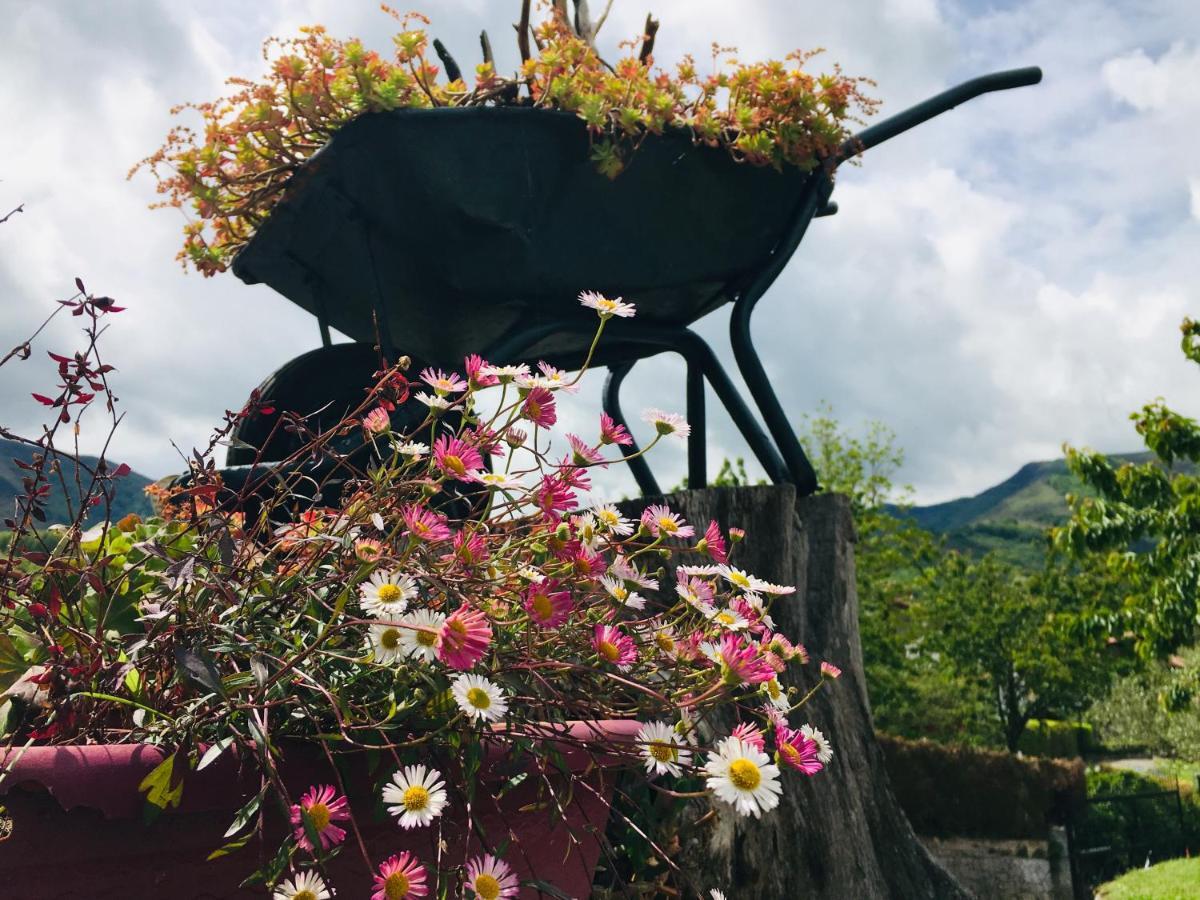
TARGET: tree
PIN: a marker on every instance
(1145, 524)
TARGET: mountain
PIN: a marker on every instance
(1012, 517)
(129, 494)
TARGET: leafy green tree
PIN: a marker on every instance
(1145, 524)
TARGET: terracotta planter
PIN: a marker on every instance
(77, 830)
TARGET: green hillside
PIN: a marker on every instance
(1011, 518)
(129, 494)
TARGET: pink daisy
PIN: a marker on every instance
(476, 376)
(469, 548)
(795, 749)
(661, 522)
(614, 647)
(464, 638)
(400, 876)
(424, 524)
(554, 497)
(742, 662)
(368, 549)
(491, 879)
(547, 604)
(442, 383)
(606, 307)
(582, 454)
(612, 433)
(751, 734)
(456, 457)
(323, 807)
(539, 407)
(714, 543)
(829, 670)
(667, 423)
(377, 421)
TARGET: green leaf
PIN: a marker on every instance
(159, 788)
(231, 847)
(245, 815)
(197, 667)
(211, 754)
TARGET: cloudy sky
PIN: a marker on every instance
(1006, 278)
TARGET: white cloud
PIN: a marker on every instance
(1172, 80)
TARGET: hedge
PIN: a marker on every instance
(954, 791)
(1049, 737)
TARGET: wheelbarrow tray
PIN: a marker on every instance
(456, 226)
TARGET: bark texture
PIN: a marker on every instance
(840, 834)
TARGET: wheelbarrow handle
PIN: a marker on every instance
(935, 106)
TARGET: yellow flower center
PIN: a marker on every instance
(662, 752)
(426, 638)
(744, 774)
(773, 690)
(607, 517)
(486, 886)
(304, 895)
(725, 618)
(609, 651)
(667, 524)
(454, 464)
(318, 814)
(479, 698)
(396, 887)
(665, 642)
(620, 592)
(543, 609)
(739, 579)
(390, 639)
(389, 593)
(416, 798)
(790, 752)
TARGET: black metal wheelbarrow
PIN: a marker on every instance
(439, 233)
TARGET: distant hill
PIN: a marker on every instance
(129, 494)
(1012, 517)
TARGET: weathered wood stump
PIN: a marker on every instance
(840, 834)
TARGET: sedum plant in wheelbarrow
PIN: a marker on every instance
(428, 689)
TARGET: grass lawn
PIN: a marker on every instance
(1178, 879)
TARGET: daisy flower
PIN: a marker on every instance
(414, 449)
(776, 694)
(435, 402)
(729, 619)
(400, 876)
(661, 522)
(706, 571)
(661, 749)
(613, 433)
(377, 421)
(515, 437)
(609, 519)
(743, 777)
(824, 749)
(368, 549)
(713, 543)
(386, 643)
(497, 480)
(387, 593)
(605, 307)
(425, 524)
(714, 894)
(547, 605)
(480, 698)
(442, 383)
(556, 379)
(323, 807)
(464, 638)
(743, 580)
(664, 639)
(419, 634)
(829, 670)
(491, 878)
(539, 407)
(456, 457)
(581, 453)
(305, 886)
(742, 663)
(504, 374)
(749, 733)
(695, 591)
(415, 796)
(476, 376)
(619, 592)
(627, 571)
(614, 647)
(795, 750)
(667, 423)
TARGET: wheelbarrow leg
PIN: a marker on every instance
(698, 439)
(612, 405)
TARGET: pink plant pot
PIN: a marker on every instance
(77, 829)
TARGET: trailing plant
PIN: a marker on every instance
(230, 173)
(455, 601)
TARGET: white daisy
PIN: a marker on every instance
(701, 571)
(662, 749)
(743, 580)
(492, 879)
(497, 480)
(667, 423)
(776, 694)
(386, 643)
(505, 374)
(386, 594)
(479, 698)
(419, 633)
(729, 619)
(627, 571)
(414, 449)
(305, 886)
(710, 651)
(619, 592)
(609, 518)
(434, 402)
(755, 602)
(744, 777)
(586, 529)
(716, 895)
(824, 749)
(556, 379)
(415, 796)
(605, 307)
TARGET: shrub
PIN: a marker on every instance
(1050, 737)
(967, 792)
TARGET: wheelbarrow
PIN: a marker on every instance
(438, 233)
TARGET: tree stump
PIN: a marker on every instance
(841, 833)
